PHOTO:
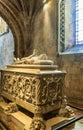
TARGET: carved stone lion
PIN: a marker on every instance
(37, 124)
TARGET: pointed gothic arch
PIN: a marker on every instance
(10, 16)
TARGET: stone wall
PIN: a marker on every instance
(45, 30)
(73, 64)
(46, 41)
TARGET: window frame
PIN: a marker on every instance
(61, 47)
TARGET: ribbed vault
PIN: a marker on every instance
(20, 15)
(9, 13)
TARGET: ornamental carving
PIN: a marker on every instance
(35, 90)
(35, 87)
(37, 124)
(21, 87)
(51, 89)
(11, 108)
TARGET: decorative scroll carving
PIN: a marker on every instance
(35, 90)
(11, 108)
(21, 87)
(51, 89)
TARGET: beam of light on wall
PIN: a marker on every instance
(46, 10)
(47, 5)
(44, 1)
(47, 29)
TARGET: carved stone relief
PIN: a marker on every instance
(11, 108)
(38, 122)
(21, 87)
(65, 110)
(35, 90)
(42, 90)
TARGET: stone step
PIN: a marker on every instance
(17, 120)
(21, 120)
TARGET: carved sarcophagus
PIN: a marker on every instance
(29, 87)
(37, 87)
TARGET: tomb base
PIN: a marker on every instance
(21, 121)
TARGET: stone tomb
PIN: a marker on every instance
(35, 85)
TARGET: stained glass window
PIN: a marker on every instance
(79, 21)
(70, 34)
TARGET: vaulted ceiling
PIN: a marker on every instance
(10, 13)
(19, 15)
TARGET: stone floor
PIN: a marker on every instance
(77, 112)
(78, 125)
